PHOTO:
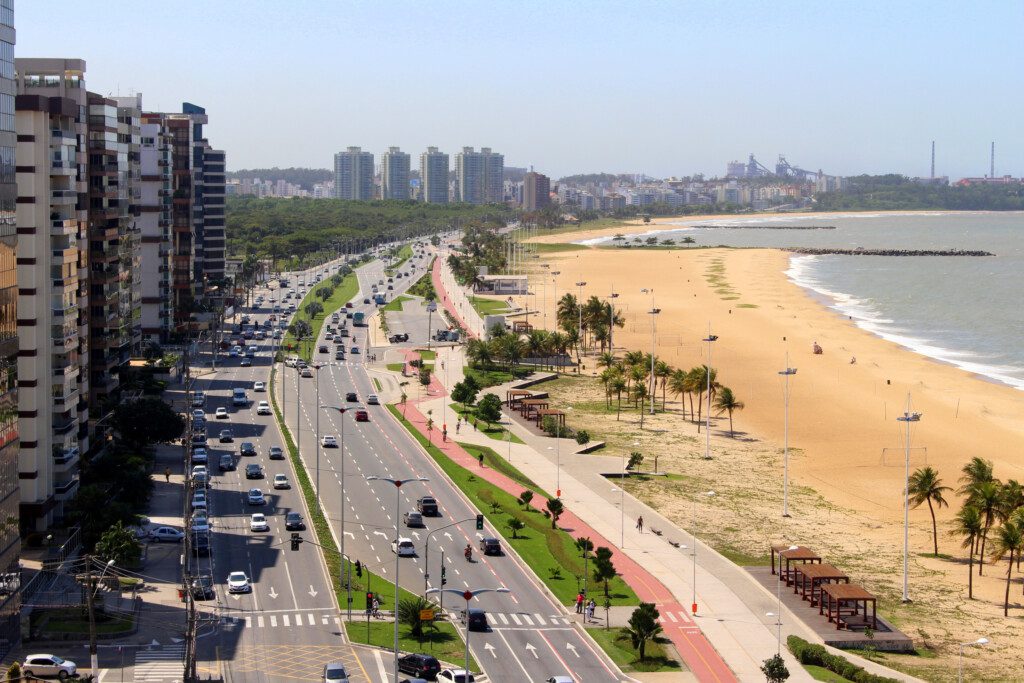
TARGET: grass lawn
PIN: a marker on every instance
(395, 367)
(376, 383)
(550, 553)
(444, 642)
(496, 432)
(424, 287)
(618, 646)
(427, 355)
(396, 303)
(74, 620)
(487, 378)
(547, 248)
(820, 673)
(404, 254)
(497, 462)
(488, 306)
(348, 288)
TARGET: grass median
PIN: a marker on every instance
(488, 306)
(404, 254)
(443, 641)
(616, 643)
(342, 293)
(550, 553)
(396, 303)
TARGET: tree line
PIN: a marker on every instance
(893, 192)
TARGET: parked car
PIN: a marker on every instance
(281, 481)
(198, 415)
(165, 533)
(413, 519)
(255, 497)
(276, 453)
(258, 522)
(419, 665)
(455, 676)
(199, 456)
(238, 582)
(334, 673)
(48, 665)
(198, 400)
(293, 522)
(198, 500)
(202, 588)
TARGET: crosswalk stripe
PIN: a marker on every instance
(259, 621)
(516, 619)
(284, 617)
(671, 616)
(527, 619)
(248, 622)
(312, 621)
(273, 621)
(684, 617)
(327, 620)
(502, 617)
(539, 618)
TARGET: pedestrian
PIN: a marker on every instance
(167, 474)
(444, 434)
(480, 458)
(376, 607)
(474, 424)
(591, 606)
(579, 603)
(640, 524)
(457, 425)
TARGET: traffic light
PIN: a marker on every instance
(296, 540)
(369, 599)
(359, 569)
(479, 522)
(444, 578)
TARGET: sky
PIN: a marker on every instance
(662, 88)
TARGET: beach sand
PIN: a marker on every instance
(846, 445)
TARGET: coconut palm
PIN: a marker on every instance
(679, 386)
(1011, 498)
(925, 486)
(618, 385)
(700, 379)
(977, 471)
(536, 344)
(606, 377)
(726, 402)
(968, 525)
(479, 353)
(567, 312)
(640, 392)
(606, 360)
(985, 497)
(662, 371)
(1009, 539)
(638, 376)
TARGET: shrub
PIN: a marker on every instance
(582, 437)
(808, 653)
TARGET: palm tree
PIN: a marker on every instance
(977, 471)
(515, 525)
(986, 498)
(726, 402)
(1009, 539)
(567, 312)
(618, 385)
(679, 386)
(662, 371)
(640, 391)
(926, 487)
(536, 342)
(968, 525)
(1011, 498)
(606, 377)
(605, 360)
(638, 375)
(700, 380)
(479, 353)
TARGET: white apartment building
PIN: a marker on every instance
(154, 223)
(353, 174)
(480, 176)
(394, 174)
(434, 176)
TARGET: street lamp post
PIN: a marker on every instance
(980, 642)
(611, 321)
(787, 373)
(654, 315)
(579, 308)
(710, 339)
(467, 595)
(544, 294)
(693, 533)
(342, 410)
(778, 596)
(907, 417)
(398, 505)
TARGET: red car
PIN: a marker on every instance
(348, 304)
(362, 416)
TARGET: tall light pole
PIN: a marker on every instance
(558, 462)
(980, 642)
(467, 595)
(693, 533)
(787, 373)
(778, 620)
(579, 308)
(654, 315)
(907, 417)
(611, 321)
(342, 410)
(554, 292)
(319, 445)
(544, 295)
(710, 339)
(398, 505)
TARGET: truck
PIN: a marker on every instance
(358, 318)
(380, 299)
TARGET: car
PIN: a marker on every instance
(474, 618)
(366, 301)
(250, 352)
(246, 363)
(198, 500)
(334, 672)
(259, 386)
(391, 287)
(339, 354)
(48, 665)
(455, 676)
(276, 453)
(281, 481)
(348, 304)
(373, 400)
(277, 334)
(427, 506)
(199, 439)
(293, 522)
(235, 351)
(198, 400)
(329, 336)
(362, 416)
(226, 463)
(490, 546)
(221, 414)
(201, 540)
(226, 436)
(165, 533)
(254, 471)
(328, 441)
(199, 456)
(351, 396)
(202, 588)
(198, 414)
(560, 679)
(238, 582)
(306, 372)
(419, 665)
(403, 547)
(199, 469)
(255, 497)
(323, 349)
(247, 448)
(413, 519)
(355, 349)
(263, 408)
(258, 522)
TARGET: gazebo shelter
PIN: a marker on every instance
(528, 407)
(521, 327)
(846, 605)
(786, 556)
(811, 577)
(513, 397)
(551, 412)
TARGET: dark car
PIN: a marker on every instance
(339, 355)
(247, 448)
(362, 416)
(199, 438)
(475, 619)
(366, 301)
(427, 506)
(490, 546)
(201, 544)
(351, 396)
(323, 348)
(226, 436)
(202, 588)
(226, 463)
(253, 471)
(422, 666)
(348, 304)
(276, 453)
(293, 522)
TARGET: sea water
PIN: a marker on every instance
(967, 311)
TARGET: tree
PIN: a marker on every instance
(726, 402)
(977, 471)
(300, 329)
(147, 420)
(325, 293)
(118, 543)
(424, 375)
(679, 386)
(525, 497)
(14, 672)
(1009, 539)
(409, 614)
(636, 459)
(604, 570)
(969, 526)
(774, 669)
(555, 509)
(313, 309)
(643, 626)
(640, 391)
(925, 487)
(489, 409)
(986, 498)
(465, 392)
(515, 525)
(618, 385)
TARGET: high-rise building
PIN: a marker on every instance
(536, 191)
(353, 174)
(52, 279)
(214, 238)
(183, 261)
(480, 174)
(434, 176)
(155, 228)
(394, 174)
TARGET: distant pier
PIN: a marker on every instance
(819, 251)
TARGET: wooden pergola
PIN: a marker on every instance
(521, 327)
(786, 556)
(810, 579)
(528, 407)
(846, 605)
(551, 412)
(514, 396)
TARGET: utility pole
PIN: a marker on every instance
(91, 605)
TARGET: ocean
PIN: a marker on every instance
(966, 311)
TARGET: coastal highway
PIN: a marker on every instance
(530, 637)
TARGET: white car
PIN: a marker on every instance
(329, 441)
(165, 533)
(199, 469)
(198, 500)
(198, 400)
(373, 400)
(455, 676)
(198, 415)
(259, 386)
(199, 456)
(258, 522)
(403, 547)
(221, 414)
(238, 582)
(281, 481)
(263, 408)
(48, 665)
(255, 497)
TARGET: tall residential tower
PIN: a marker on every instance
(434, 176)
(394, 174)
(353, 174)
(480, 176)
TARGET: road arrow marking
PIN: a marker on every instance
(490, 648)
(380, 533)
(273, 593)
(448, 535)
(350, 534)
(236, 596)
(533, 650)
(155, 643)
(312, 592)
(573, 648)
(416, 534)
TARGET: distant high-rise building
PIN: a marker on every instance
(394, 174)
(353, 174)
(479, 174)
(536, 191)
(154, 223)
(434, 176)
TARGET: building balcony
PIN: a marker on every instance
(65, 371)
(64, 256)
(66, 489)
(67, 339)
(63, 197)
(58, 135)
(66, 459)
(63, 227)
(63, 167)
(67, 314)
(62, 426)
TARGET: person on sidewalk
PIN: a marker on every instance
(457, 425)
(444, 434)
(167, 474)
(579, 603)
(474, 424)
(591, 606)
(480, 459)
(640, 523)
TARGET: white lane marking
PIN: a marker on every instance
(284, 618)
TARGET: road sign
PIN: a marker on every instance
(432, 307)
(426, 615)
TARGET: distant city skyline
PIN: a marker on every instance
(663, 89)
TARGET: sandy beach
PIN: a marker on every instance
(846, 446)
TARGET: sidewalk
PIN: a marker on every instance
(454, 300)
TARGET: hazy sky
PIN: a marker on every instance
(664, 88)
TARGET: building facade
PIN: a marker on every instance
(353, 174)
(214, 238)
(154, 222)
(536, 191)
(480, 176)
(434, 176)
(394, 174)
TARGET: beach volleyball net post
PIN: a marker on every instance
(897, 456)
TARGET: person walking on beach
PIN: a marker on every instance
(640, 524)
(167, 475)
(579, 603)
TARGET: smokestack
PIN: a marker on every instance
(933, 159)
(992, 162)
